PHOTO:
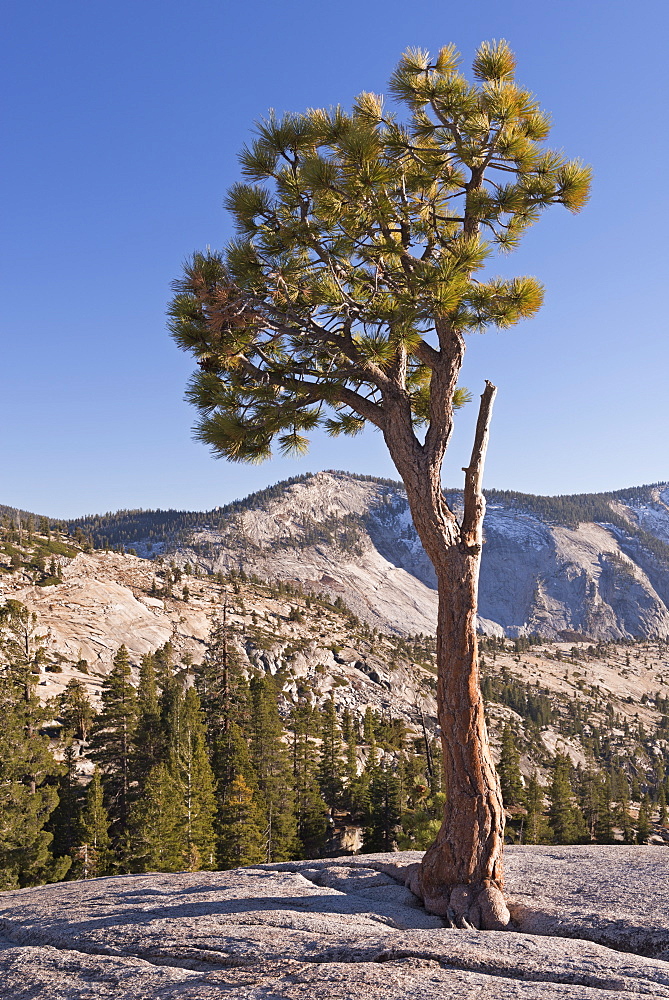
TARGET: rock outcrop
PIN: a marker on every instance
(594, 565)
(591, 922)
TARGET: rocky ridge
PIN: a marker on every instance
(595, 565)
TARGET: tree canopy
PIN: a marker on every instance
(361, 252)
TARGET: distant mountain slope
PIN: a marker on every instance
(592, 564)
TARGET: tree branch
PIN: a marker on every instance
(472, 520)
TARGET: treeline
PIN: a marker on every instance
(582, 508)
(127, 528)
(194, 768)
(130, 527)
(579, 805)
(212, 766)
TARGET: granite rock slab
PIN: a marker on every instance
(589, 922)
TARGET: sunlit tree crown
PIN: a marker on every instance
(362, 244)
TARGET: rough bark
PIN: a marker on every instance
(461, 876)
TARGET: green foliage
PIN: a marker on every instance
(272, 766)
(524, 699)
(384, 809)
(536, 828)
(93, 856)
(358, 234)
(565, 817)
(28, 795)
(75, 710)
(190, 762)
(508, 769)
(242, 839)
(330, 764)
(157, 821)
(112, 738)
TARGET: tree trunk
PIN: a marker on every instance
(461, 874)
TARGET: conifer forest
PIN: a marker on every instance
(175, 765)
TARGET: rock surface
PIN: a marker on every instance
(607, 577)
(593, 922)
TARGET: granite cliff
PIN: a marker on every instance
(597, 565)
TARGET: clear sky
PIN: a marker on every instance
(122, 121)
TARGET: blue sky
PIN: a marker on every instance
(122, 124)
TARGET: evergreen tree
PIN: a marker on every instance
(351, 764)
(64, 822)
(421, 822)
(620, 791)
(219, 681)
(604, 824)
(330, 764)
(536, 829)
(148, 738)
(272, 766)
(27, 795)
(361, 240)
(384, 815)
(93, 856)
(643, 827)
(310, 809)
(27, 767)
(164, 659)
(565, 818)
(508, 769)
(191, 763)
(242, 827)
(75, 710)
(158, 820)
(112, 739)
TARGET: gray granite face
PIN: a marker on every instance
(592, 922)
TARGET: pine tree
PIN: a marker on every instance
(421, 822)
(148, 737)
(75, 710)
(643, 827)
(112, 739)
(536, 829)
(242, 825)
(384, 815)
(351, 764)
(272, 765)
(158, 820)
(310, 809)
(508, 769)
(219, 680)
(604, 824)
(566, 819)
(93, 855)
(27, 796)
(621, 812)
(64, 822)
(27, 767)
(361, 241)
(164, 658)
(191, 763)
(330, 764)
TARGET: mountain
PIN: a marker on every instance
(593, 565)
